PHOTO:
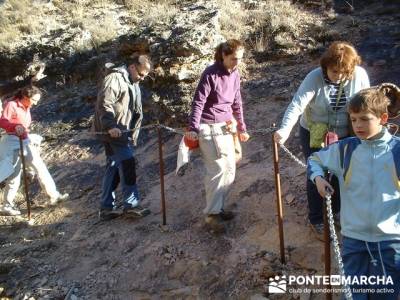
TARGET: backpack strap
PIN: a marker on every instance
(394, 145)
(346, 149)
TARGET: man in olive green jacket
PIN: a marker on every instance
(118, 115)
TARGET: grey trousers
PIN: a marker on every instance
(34, 161)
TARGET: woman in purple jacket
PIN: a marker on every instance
(217, 103)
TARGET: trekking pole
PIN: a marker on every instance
(28, 203)
(161, 159)
(278, 199)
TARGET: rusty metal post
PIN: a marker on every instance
(278, 199)
(28, 203)
(161, 160)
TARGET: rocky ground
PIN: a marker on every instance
(66, 253)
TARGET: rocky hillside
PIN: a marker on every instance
(181, 42)
(66, 253)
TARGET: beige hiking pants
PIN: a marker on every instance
(218, 154)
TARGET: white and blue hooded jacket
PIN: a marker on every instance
(369, 179)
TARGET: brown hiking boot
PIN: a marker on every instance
(215, 223)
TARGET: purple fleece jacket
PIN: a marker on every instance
(217, 98)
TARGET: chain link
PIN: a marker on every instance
(292, 156)
(181, 131)
(126, 130)
(336, 248)
(263, 130)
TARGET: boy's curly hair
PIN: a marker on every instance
(371, 100)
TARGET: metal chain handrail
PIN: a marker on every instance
(336, 247)
(180, 131)
(76, 132)
(333, 234)
(126, 130)
(292, 156)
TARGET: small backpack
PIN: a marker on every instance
(105, 69)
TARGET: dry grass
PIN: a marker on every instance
(16, 20)
(151, 12)
(20, 19)
(25, 19)
(233, 19)
(276, 22)
(101, 34)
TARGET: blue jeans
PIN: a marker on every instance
(315, 201)
(120, 168)
(357, 261)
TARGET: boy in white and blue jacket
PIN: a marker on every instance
(368, 168)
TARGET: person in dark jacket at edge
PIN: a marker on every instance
(118, 115)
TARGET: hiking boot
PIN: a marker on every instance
(106, 214)
(215, 223)
(136, 212)
(9, 211)
(59, 198)
(318, 230)
(226, 215)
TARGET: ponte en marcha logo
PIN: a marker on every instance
(283, 284)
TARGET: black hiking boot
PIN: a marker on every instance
(106, 214)
(136, 212)
(226, 215)
(215, 223)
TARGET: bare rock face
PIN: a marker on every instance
(180, 52)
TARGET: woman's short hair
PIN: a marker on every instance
(28, 91)
(227, 48)
(342, 55)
